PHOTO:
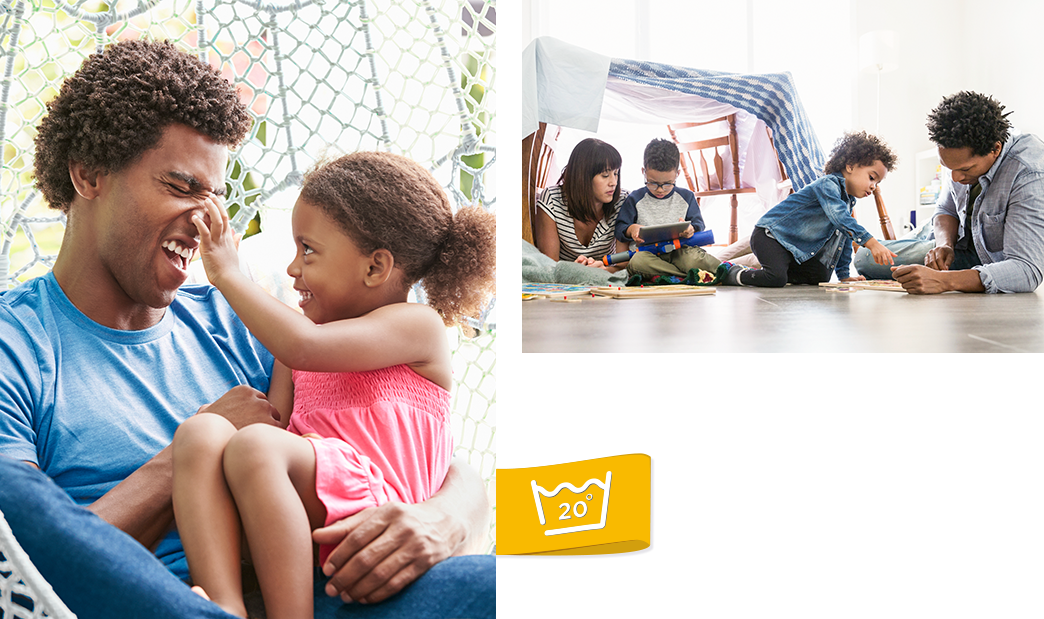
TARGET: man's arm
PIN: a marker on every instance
(941, 257)
(936, 277)
(140, 505)
(383, 549)
(917, 279)
(1014, 237)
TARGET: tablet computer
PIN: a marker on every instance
(662, 232)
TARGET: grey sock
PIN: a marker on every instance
(732, 276)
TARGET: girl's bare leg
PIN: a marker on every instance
(207, 519)
(271, 474)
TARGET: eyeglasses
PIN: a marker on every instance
(657, 186)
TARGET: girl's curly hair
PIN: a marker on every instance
(387, 201)
(117, 105)
(969, 119)
(859, 148)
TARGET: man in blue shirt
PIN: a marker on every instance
(989, 221)
(104, 357)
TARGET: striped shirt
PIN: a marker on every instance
(569, 247)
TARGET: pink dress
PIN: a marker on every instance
(387, 437)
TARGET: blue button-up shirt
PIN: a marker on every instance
(819, 217)
(1008, 220)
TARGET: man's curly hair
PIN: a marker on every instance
(969, 119)
(117, 105)
(859, 148)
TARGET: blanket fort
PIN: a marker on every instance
(566, 85)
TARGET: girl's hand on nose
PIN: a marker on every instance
(218, 243)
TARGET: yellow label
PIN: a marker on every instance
(599, 506)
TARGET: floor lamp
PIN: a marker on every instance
(879, 52)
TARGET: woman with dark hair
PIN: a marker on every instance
(578, 215)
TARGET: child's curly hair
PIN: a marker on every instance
(859, 148)
(387, 201)
(969, 119)
(661, 155)
(117, 105)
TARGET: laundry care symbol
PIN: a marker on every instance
(577, 510)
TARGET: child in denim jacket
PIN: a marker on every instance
(808, 235)
(660, 202)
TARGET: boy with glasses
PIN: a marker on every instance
(662, 202)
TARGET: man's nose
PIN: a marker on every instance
(201, 212)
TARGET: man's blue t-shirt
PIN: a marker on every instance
(89, 405)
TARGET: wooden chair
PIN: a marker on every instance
(882, 214)
(699, 178)
(784, 180)
(538, 153)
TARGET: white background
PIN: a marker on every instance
(794, 485)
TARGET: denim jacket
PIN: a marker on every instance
(818, 219)
(1008, 226)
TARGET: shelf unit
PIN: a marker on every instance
(928, 174)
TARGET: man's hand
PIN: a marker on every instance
(381, 550)
(242, 406)
(939, 258)
(857, 278)
(917, 279)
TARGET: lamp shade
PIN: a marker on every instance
(879, 51)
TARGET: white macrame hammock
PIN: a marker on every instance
(415, 77)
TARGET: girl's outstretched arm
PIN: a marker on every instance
(399, 333)
(281, 392)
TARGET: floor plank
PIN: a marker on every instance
(789, 319)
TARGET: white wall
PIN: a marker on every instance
(989, 46)
(878, 519)
(946, 46)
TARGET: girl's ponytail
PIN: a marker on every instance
(462, 278)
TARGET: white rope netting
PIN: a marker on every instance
(24, 594)
(414, 77)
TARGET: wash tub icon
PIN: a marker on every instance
(576, 509)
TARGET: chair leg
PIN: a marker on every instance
(734, 224)
(882, 212)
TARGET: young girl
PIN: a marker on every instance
(576, 218)
(808, 235)
(370, 375)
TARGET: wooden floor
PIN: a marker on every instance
(789, 319)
